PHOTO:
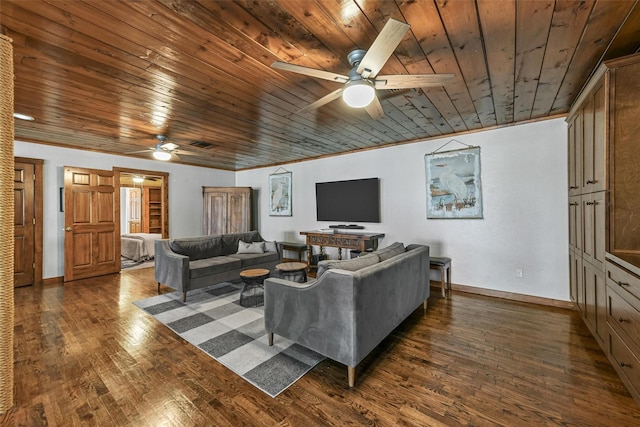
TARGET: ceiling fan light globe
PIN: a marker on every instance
(138, 179)
(161, 155)
(358, 94)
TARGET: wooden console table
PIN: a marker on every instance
(340, 240)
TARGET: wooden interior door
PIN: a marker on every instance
(91, 244)
(24, 224)
(135, 210)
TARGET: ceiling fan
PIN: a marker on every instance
(163, 150)
(360, 85)
(139, 179)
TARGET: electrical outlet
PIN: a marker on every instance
(519, 273)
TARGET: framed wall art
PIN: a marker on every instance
(454, 188)
(280, 186)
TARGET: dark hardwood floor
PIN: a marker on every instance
(85, 355)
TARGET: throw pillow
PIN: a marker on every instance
(270, 247)
(390, 251)
(250, 248)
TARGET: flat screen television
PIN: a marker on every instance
(347, 202)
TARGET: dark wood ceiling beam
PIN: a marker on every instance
(436, 56)
(411, 60)
(234, 137)
(434, 46)
(463, 32)
(324, 20)
(151, 68)
(606, 17)
(168, 101)
(627, 39)
(569, 19)
(98, 74)
(533, 22)
(270, 71)
(497, 22)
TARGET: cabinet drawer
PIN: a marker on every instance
(624, 317)
(626, 363)
(621, 279)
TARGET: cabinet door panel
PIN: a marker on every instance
(587, 146)
(595, 301)
(575, 277)
(594, 141)
(594, 228)
(575, 223)
(599, 174)
(226, 210)
(575, 155)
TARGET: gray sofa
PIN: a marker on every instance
(352, 305)
(196, 262)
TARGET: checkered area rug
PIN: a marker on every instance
(214, 321)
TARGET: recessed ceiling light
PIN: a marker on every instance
(23, 116)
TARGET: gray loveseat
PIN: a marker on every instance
(352, 305)
(195, 262)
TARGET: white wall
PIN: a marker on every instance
(185, 192)
(524, 181)
(524, 187)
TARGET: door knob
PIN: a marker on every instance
(68, 229)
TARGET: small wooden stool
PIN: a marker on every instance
(252, 294)
(443, 265)
(294, 271)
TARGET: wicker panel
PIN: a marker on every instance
(6, 224)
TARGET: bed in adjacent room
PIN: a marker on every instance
(138, 246)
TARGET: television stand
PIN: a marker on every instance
(347, 226)
(359, 241)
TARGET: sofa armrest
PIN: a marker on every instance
(318, 314)
(171, 269)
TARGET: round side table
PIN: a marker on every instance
(252, 294)
(293, 271)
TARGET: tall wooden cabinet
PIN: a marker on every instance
(604, 212)
(226, 210)
(587, 203)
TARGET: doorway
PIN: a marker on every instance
(86, 249)
(144, 201)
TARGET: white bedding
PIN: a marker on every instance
(138, 246)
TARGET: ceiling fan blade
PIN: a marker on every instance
(148, 151)
(186, 153)
(322, 101)
(169, 146)
(375, 109)
(406, 81)
(321, 74)
(382, 48)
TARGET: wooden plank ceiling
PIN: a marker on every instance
(109, 76)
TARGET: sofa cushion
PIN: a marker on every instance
(210, 266)
(250, 248)
(390, 251)
(349, 264)
(250, 260)
(270, 247)
(197, 247)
